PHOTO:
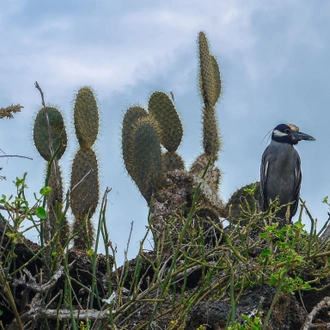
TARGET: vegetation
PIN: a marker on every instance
(256, 273)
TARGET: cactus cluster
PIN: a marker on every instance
(84, 175)
(143, 134)
(50, 139)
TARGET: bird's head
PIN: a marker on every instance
(289, 133)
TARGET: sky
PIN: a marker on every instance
(274, 61)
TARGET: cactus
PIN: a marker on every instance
(84, 175)
(84, 195)
(147, 157)
(241, 201)
(163, 110)
(49, 133)
(50, 137)
(172, 161)
(211, 140)
(163, 174)
(210, 86)
(132, 115)
(86, 118)
(55, 203)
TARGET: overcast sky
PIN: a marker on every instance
(274, 58)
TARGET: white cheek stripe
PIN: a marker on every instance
(279, 133)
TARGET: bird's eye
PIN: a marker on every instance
(287, 131)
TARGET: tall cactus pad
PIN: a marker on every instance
(132, 116)
(49, 133)
(206, 73)
(84, 196)
(163, 110)
(211, 139)
(147, 157)
(86, 118)
(217, 80)
(84, 183)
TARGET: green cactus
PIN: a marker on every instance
(172, 161)
(84, 195)
(49, 133)
(50, 137)
(132, 115)
(163, 110)
(86, 117)
(211, 139)
(217, 80)
(244, 200)
(210, 86)
(54, 205)
(84, 175)
(147, 168)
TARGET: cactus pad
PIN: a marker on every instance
(86, 117)
(84, 183)
(163, 110)
(49, 133)
(132, 115)
(211, 139)
(147, 157)
(172, 161)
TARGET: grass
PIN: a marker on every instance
(157, 288)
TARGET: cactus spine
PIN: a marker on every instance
(50, 139)
(84, 176)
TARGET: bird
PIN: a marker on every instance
(280, 170)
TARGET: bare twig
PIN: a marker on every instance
(324, 304)
(33, 286)
(16, 156)
(37, 86)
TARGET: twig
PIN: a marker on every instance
(37, 86)
(17, 156)
(323, 304)
(32, 285)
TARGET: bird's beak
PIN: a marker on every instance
(298, 136)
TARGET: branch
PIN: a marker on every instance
(8, 112)
(324, 304)
(32, 285)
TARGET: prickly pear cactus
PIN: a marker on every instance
(49, 133)
(163, 110)
(86, 117)
(58, 222)
(50, 139)
(84, 196)
(132, 116)
(84, 176)
(243, 203)
(163, 174)
(172, 161)
(210, 86)
(147, 157)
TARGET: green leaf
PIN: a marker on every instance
(44, 191)
(41, 213)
